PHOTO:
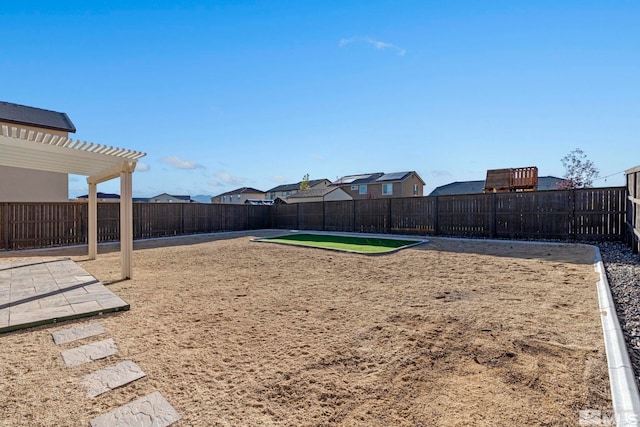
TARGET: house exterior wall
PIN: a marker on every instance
(272, 195)
(167, 198)
(406, 189)
(293, 199)
(333, 196)
(374, 190)
(233, 199)
(28, 185)
(353, 190)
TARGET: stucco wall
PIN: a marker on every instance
(26, 185)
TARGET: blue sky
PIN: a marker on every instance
(222, 95)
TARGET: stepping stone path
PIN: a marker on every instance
(152, 410)
(69, 335)
(107, 379)
(89, 352)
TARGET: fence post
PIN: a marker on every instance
(5, 224)
(388, 228)
(297, 216)
(323, 214)
(181, 218)
(572, 219)
(436, 225)
(493, 224)
(273, 216)
(353, 227)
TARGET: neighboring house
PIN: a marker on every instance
(473, 187)
(101, 197)
(382, 185)
(28, 185)
(238, 196)
(285, 190)
(329, 194)
(169, 198)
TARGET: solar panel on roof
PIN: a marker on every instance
(392, 176)
(349, 179)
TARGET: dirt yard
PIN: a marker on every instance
(240, 333)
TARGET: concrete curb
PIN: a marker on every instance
(624, 391)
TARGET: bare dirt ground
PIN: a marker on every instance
(239, 333)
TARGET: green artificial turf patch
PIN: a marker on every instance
(369, 245)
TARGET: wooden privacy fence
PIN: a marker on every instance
(35, 225)
(588, 215)
(633, 209)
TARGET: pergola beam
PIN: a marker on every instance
(114, 171)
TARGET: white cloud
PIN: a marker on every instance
(142, 167)
(179, 163)
(223, 179)
(380, 45)
(228, 179)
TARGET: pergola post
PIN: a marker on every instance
(93, 220)
(126, 223)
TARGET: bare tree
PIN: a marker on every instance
(304, 184)
(579, 171)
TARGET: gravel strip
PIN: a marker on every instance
(623, 273)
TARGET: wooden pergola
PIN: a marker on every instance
(29, 149)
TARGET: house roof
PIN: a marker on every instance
(171, 195)
(364, 178)
(398, 176)
(241, 190)
(464, 187)
(38, 117)
(471, 187)
(313, 192)
(369, 178)
(296, 186)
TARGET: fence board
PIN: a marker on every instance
(310, 216)
(339, 216)
(29, 225)
(416, 215)
(632, 232)
(259, 217)
(197, 218)
(372, 216)
(4, 226)
(599, 214)
(534, 215)
(465, 215)
(284, 216)
(235, 217)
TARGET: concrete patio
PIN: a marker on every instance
(34, 293)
